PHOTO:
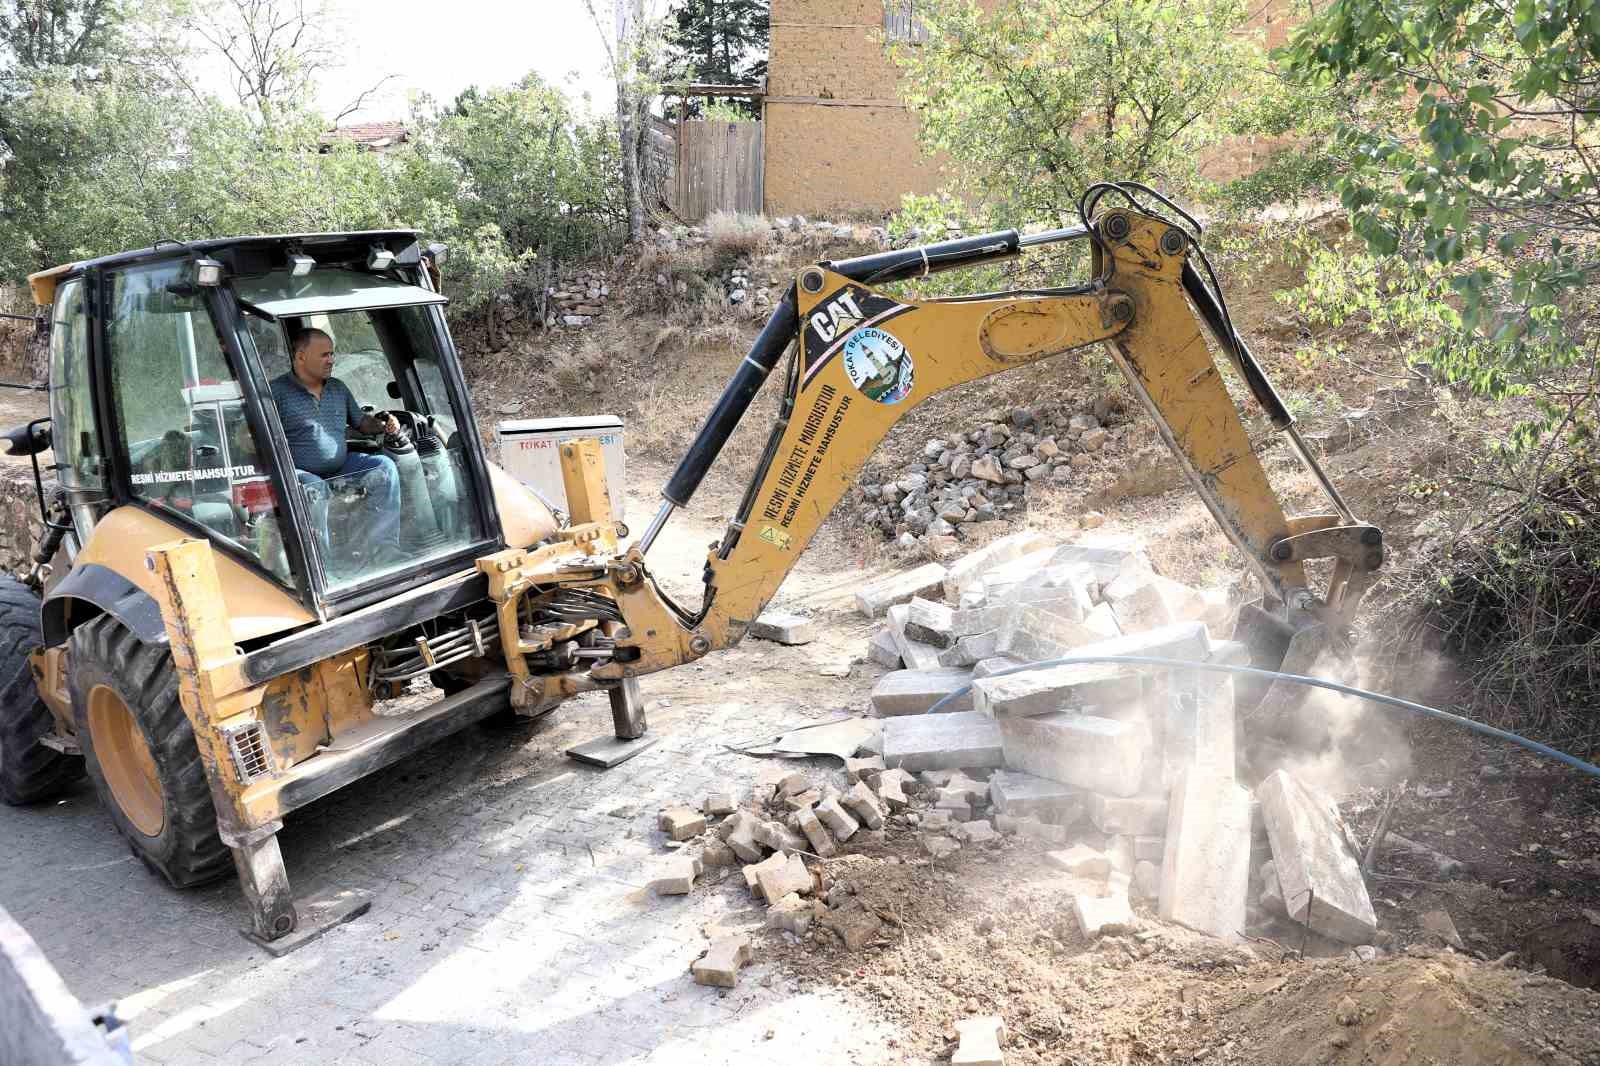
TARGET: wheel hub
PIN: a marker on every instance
(125, 760)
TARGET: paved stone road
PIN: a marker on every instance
(511, 921)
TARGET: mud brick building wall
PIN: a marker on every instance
(838, 140)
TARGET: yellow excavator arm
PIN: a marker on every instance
(860, 359)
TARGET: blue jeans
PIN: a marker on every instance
(380, 477)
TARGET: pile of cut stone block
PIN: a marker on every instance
(1127, 771)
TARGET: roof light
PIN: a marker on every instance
(207, 272)
(300, 265)
(380, 258)
(436, 252)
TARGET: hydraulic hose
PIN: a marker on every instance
(1333, 686)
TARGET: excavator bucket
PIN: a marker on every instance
(1283, 709)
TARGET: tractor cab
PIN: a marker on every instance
(173, 392)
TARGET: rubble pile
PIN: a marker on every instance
(970, 478)
(1121, 779)
(1126, 774)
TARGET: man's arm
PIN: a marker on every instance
(364, 422)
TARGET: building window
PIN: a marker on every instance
(901, 24)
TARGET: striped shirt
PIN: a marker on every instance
(316, 428)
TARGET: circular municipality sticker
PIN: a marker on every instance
(878, 365)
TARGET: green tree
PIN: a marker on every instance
(1474, 150)
(509, 176)
(1035, 99)
(721, 42)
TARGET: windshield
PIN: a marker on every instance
(373, 431)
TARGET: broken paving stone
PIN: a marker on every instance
(1005, 823)
(856, 769)
(942, 741)
(822, 842)
(976, 832)
(1109, 558)
(838, 821)
(929, 623)
(914, 654)
(1032, 633)
(955, 804)
(792, 783)
(994, 665)
(1318, 870)
(1085, 751)
(717, 853)
(1037, 797)
(779, 837)
(1146, 879)
(891, 789)
(720, 965)
(969, 651)
(718, 803)
(906, 692)
(1080, 861)
(937, 819)
(1140, 815)
(976, 791)
(741, 836)
(864, 805)
(980, 1040)
(783, 628)
(884, 650)
(966, 575)
(876, 597)
(1102, 915)
(803, 799)
(793, 914)
(856, 924)
(1072, 687)
(682, 823)
(938, 778)
(676, 876)
(1205, 874)
(776, 880)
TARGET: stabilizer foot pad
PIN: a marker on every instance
(606, 752)
(316, 915)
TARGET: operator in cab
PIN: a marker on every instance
(316, 408)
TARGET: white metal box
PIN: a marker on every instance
(528, 453)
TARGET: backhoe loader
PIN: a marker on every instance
(214, 642)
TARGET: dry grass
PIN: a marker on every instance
(736, 239)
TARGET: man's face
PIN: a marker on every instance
(316, 358)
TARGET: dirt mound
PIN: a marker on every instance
(992, 932)
(1419, 1008)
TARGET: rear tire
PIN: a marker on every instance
(139, 749)
(29, 771)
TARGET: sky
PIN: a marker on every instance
(442, 46)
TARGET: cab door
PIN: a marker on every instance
(80, 458)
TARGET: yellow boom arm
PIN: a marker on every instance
(864, 359)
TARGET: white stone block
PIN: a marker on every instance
(1205, 873)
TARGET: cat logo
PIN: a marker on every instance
(778, 538)
(839, 315)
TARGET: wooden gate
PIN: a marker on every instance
(719, 168)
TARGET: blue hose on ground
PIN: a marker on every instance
(1333, 686)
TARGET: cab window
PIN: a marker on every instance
(77, 441)
(180, 415)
